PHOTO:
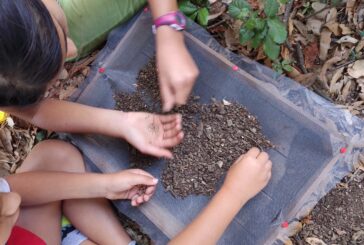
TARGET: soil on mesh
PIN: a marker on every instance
(339, 216)
(215, 135)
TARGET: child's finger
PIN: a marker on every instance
(253, 152)
(139, 171)
(140, 179)
(157, 151)
(171, 142)
(171, 133)
(169, 126)
(263, 157)
(171, 118)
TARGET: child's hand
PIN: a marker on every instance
(9, 212)
(248, 175)
(153, 134)
(134, 184)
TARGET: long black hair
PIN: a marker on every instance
(30, 51)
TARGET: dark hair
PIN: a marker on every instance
(30, 51)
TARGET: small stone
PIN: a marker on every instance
(220, 163)
(229, 122)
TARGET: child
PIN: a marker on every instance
(40, 210)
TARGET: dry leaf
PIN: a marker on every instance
(290, 26)
(347, 39)
(300, 27)
(345, 30)
(346, 90)
(317, 6)
(332, 15)
(337, 75)
(349, 9)
(357, 70)
(314, 25)
(325, 42)
(5, 137)
(333, 27)
(314, 241)
(359, 235)
(310, 53)
(324, 69)
(306, 80)
(359, 46)
(63, 75)
(231, 39)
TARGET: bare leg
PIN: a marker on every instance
(93, 217)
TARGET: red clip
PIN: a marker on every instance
(343, 150)
(101, 69)
(285, 224)
(235, 68)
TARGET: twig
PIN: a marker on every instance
(287, 12)
(323, 9)
(301, 61)
(216, 24)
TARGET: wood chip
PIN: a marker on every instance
(325, 41)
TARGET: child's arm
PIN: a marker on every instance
(63, 116)
(177, 71)
(37, 188)
(249, 175)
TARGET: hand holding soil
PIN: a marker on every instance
(249, 174)
(134, 184)
(153, 134)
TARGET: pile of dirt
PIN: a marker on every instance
(339, 217)
(215, 135)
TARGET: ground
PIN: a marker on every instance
(317, 33)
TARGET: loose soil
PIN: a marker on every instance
(339, 216)
(215, 135)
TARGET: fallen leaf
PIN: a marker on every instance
(325, 41)
(306, 80)
(357, 70)
(347, 39)
(344, 29)
(331, 15)
(349, 9)
(346, 91)
(300, 27)
(314, 25)
(359, 46)
(310, 53)
(314, 241)
(231, 39)
(324, 69)
(317, 6)
(333, 27)
(337, 75)
(359, 235)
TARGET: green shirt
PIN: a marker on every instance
(89, 21)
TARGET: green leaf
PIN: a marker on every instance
(239, 9)
(245, 35)
(193, 16)
(284, 1)
(202, 16)
(260, 23)
(288, 68)
(271, 49)
(277, 30)
(187, 7)
(250, 24)
(271, 8)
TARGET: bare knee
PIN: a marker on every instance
(53, 155)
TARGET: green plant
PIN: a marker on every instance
(284, 65)
(197, 10)
(258, 28)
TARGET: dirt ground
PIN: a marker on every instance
(339, 217)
